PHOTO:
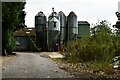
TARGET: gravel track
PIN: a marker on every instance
(31, 65)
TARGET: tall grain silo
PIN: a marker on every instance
(53, 31)
(62, 27)
(72, 26)
(41, 31)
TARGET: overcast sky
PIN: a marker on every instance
(86, 10)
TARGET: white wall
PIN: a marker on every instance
(119, 6)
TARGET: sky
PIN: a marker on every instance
(86, 10)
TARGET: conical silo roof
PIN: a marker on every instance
(40, 14)
(72, 14)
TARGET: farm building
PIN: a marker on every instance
(83, 29)
(25, 39)
(49, 35)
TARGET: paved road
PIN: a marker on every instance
(30, 65)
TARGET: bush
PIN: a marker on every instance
(90, 50)
(102, 46)
(10, 42)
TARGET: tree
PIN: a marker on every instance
(101, 46)
(102, 26)
(102, 32)
(12, 16)
(117, 25)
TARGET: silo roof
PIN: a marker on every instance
(83, 22)
(72, 14)
(53, 14)
(61, 13)
(40, 14)
(54, 19)
(25, 32)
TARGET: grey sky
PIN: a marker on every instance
(88, 10)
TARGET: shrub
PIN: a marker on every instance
(102, 46)
(90, 50)
(10, 42)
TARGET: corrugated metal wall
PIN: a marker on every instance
(83, 30)
(41, 31)
(72, 26)
(24, 43)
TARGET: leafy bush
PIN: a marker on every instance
(10, 42)
(102, 46)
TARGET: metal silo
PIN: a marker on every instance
(53, 31)
(72, 26)
(62, 27)
(41, 31)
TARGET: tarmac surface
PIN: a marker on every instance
(32, 65)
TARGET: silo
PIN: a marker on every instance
(53, 31)
(72, 26)
(41, 31)
(62, 27)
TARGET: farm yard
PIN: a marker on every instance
(59, 45)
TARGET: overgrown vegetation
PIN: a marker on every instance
(101, 46)
(12, 19)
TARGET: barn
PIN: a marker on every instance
(25, 39)
(83, 29)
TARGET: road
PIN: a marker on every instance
(32, 65)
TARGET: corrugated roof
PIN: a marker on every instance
(83, 22)
(25, 32)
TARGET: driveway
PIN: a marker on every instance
(32, 65)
